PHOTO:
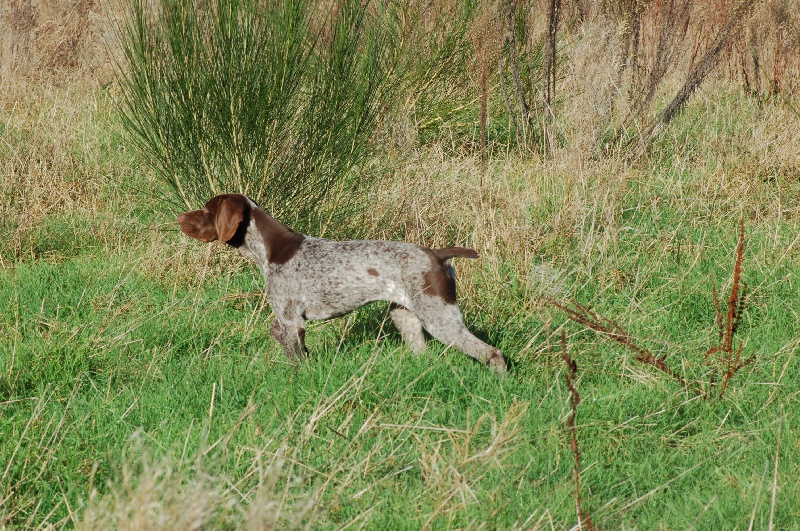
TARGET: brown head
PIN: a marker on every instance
(224, 218)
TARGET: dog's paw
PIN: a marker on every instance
(497, 362)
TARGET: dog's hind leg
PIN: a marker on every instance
(444, 322)
(410, 327)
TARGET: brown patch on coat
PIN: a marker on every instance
(281, 242)
(374, 272)
(439, 281)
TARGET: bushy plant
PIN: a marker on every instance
(277, 100)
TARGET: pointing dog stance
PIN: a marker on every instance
(308, 279)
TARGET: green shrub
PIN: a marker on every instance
(277, 100)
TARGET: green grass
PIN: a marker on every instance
(105, 368)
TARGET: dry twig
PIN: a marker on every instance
(593, 320)
(570, 375)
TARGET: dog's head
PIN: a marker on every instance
(224, 218)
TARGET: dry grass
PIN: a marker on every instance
(54, 120)
(54, 40)
(164, 495)
(454, 467)
(42, 175)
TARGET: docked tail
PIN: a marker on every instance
(451, 252)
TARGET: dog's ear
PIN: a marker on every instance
(199, 225)
(230, 213)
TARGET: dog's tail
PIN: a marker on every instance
(451, 252)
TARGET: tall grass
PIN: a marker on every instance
(277, 100)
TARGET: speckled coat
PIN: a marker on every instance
(308, 279)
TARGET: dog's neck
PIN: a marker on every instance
(268, 242)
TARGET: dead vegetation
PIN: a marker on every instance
(53, 59)
(596, 77)
(720, 45)
(54, 40)
(594, 321)
(723, 358)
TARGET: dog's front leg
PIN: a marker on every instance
(292, 336)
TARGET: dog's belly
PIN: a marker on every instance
(332, 302)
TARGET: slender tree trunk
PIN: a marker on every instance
(549, 59)
(507, 101)
(511, 47)
(549, 72)
(703, 67)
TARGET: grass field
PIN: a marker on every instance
(139, 387)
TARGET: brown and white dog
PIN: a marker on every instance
(308, 279)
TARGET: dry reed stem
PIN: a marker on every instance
(589, 318)
(775, 474)
(570, 375)
(758, 497)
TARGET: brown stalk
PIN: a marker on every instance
(585, 316)
(727, 357)
(484, 102)
(482, 34)
(673, 23)
(570, 375)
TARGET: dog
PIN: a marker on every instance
(310, 279)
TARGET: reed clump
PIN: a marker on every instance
(275, 100)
